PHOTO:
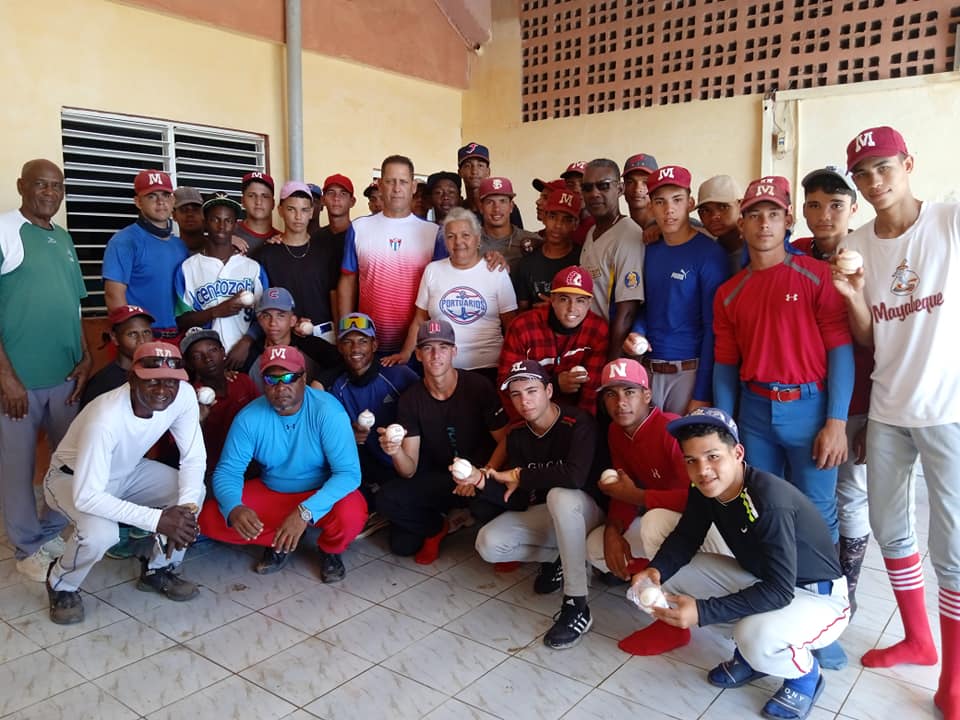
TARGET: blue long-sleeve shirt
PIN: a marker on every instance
(312, 449)
(677, 319)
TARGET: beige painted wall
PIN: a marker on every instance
(105, 56)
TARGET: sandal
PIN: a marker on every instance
(733, 673)
(790, 704)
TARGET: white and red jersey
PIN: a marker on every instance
(912, 287)
(389, 255)
(778, 324)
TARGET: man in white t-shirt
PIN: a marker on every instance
(99, 478)
(613, 252)
(210, 284)
(904, 303)
(384, 256)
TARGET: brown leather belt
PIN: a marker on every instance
(672, 367)
(779, 393)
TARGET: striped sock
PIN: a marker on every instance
(917, 648)
(948, 693)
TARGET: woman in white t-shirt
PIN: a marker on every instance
(478, 302)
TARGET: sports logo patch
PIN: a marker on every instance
(905, 280)
(395, 244)
(463, 305)
(631, 279)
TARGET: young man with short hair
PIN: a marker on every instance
(451, 414)
(209, 286)
(277, 317)
(681, 274)
(188, 215)
(473, 163)
(337, 197)
(498, 233)
(562, 334)
(535, 271)
(256, 227)
(141, 260)
(636, 169)
(718, 205)
(546, 495)
(129, 329)
(781, 595)
(902, 302)
(830, 200)
(374, 199)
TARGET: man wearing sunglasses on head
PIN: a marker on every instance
(302, 439)
(99, 478)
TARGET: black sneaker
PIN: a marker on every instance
(569, 625)
(166, 582)
(331, 568)
(271, 561)
(549, 578)
(66, 607)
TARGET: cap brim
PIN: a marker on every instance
(470, 157)
(644, 170)
(726, 201)
(538, 184)
(571, 291)
(154, 188)
(522, 376)
(810, 176)
(675, 426)
(161, 373)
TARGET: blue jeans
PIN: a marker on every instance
(778, 438)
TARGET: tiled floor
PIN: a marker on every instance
(394, 640)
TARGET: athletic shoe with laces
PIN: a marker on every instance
(35, 566)
(569, 625)
(271, 562)
(331, 568)
(66, 607)
(549, 578)
(166, 582)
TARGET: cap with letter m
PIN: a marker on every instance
(148, 181)
(668, 175)
(282, 356)
(158, 361)
(881, 141)
(771, 188)
(565, 201)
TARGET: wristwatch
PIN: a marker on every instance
(305, 514)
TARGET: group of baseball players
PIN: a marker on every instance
(691, 402)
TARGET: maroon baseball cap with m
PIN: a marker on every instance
(668, 175)
(158, 361)
(148, 181)
(286, 357)
(881, 141)
(771, 188)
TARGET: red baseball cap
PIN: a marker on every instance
(125, 312)
(881, 141)
(282, 356)
(338, 179)
(152, 180)
(574, 168)
(624, 371)
(260, 177)
(573, 280)
(158, 361)
(541, 185)
(640, 162)
(668, 175)
(496, 186)
(771, 188)
(564, 200)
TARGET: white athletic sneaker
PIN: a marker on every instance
(55, 548)
(35, 566)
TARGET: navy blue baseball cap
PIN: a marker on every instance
(706, 416)
(472, 150)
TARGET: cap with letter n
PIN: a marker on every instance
(711, 416)
(525, 370)
(624, 372)
(573, 280)
(158, 361)
(881, 141)
(436, 331)
(771, 188)
(148, 181)
(285, 357)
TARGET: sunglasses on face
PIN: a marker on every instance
(160, 362)
(602, 186)
(285, 379)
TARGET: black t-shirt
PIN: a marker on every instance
(774, 532)
(459, 426)
(309, 272)
(106, 379)
(535, 272)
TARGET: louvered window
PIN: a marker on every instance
(102, 153)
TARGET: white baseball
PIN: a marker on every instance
(639, 345)
(609, 476)
(650, 596)
(395, 433)
(578, 370)
(462, 469)
(849, 261)
(206, 395)
(246, 298)
(305, 327)
(366, 419)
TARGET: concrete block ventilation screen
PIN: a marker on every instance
(582, 57)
